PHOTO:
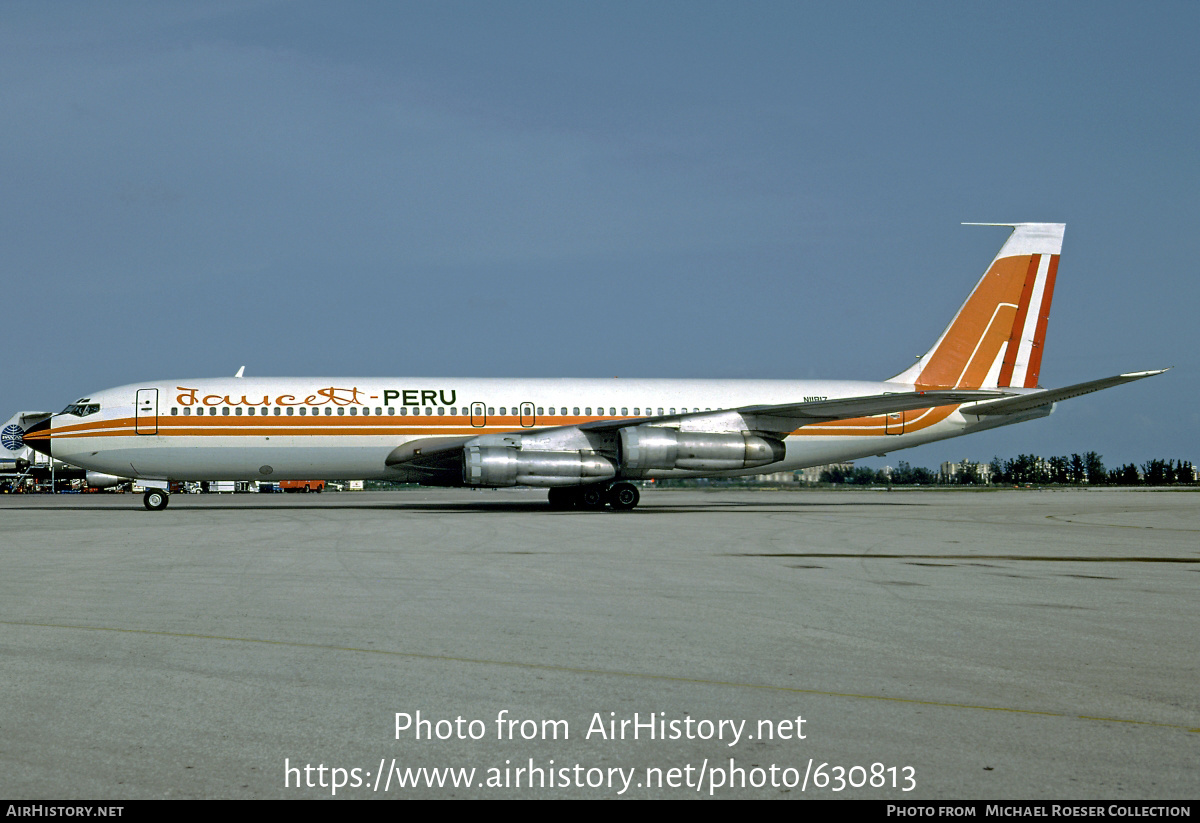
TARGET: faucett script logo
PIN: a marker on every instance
(333, 395)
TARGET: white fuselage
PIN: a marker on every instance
(345, 428)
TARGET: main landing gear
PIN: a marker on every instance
(620, 496)
(156, 500)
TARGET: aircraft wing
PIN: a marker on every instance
(1026, 402)
(842, 408)
(443, 454)
(845, 408)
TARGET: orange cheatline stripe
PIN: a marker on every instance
(94, 424)
(246, 426)
(876, 425)
(1034, 372)
(1018, 326)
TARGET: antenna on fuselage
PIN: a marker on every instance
(240, 371)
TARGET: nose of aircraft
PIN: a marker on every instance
(37, 436)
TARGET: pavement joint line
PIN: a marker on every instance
(604, 672)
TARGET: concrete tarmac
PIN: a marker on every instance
(935, 645)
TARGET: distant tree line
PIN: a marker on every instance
(1087, 469)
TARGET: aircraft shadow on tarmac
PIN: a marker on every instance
(479, 507)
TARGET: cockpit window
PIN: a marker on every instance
(82, 409)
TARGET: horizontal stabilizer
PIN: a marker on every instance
(1026, 402)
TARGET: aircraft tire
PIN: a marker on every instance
(592, 497)
(156, 500)
(623, 497)
(561, 499)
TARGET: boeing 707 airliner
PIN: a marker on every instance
(585, 440)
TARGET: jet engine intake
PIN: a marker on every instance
(504, 466)
(657, 447)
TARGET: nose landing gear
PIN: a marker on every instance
(156, 500)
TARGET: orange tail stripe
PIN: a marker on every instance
(1018, 326)
(1039, 336)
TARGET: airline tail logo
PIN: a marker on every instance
(12, 437)
(998, 336)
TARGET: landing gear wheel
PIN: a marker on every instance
(591, 497)
(562, 499)
(156, 500)
(623, 496)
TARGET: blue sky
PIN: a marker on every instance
(569, 189)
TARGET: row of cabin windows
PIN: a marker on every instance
(429, 410)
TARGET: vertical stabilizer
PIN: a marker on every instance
(996, 339)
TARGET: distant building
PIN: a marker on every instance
(955, 472)
(813, 473)
(776, 477)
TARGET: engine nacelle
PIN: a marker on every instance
(100, 480)
(657, 447)
(503, 466)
